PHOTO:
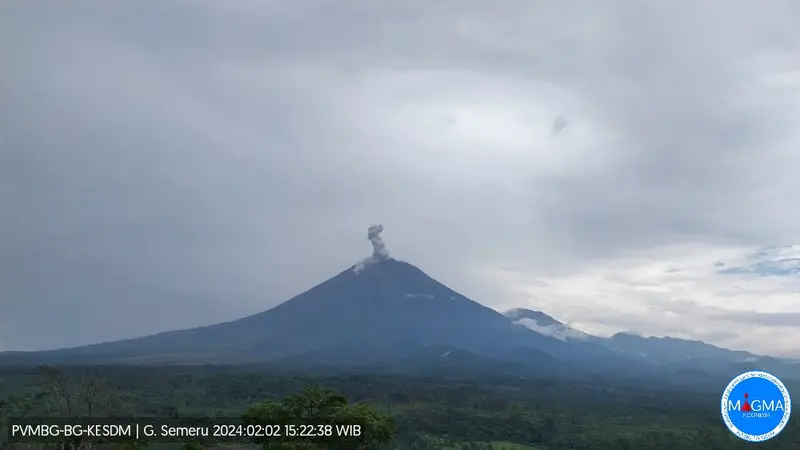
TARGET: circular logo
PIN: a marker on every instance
(756, 406)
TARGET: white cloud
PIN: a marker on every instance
(561, 332)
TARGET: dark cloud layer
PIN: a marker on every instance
(190, 162)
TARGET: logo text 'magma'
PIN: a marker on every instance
(757, 405)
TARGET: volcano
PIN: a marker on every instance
(386, 311)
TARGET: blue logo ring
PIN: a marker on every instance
(782, 397)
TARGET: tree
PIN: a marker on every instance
(79, 392)
(315, 405)
(549, 429)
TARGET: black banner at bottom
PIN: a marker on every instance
(55, 430)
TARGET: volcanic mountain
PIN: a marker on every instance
(384, 311)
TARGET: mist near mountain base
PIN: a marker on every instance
(379, 250)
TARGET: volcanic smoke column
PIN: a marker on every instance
(379, 251)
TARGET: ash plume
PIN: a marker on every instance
(379, 251)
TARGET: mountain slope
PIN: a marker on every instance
(673, 350)
(683, 353)
(670, 355)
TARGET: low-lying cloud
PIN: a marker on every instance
(561, 332)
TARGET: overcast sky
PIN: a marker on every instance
(621, 165)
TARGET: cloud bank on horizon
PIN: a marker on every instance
(208, 160)
(684, 291)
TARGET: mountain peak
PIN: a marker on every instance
(627, 335)
(388, 270)
(544, 324)
(383, 263)
(540, 317)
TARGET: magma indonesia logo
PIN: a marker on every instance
(756, 406)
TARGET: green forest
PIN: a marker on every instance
(443, 411)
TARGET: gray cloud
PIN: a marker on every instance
(759, 318)
(181, 157)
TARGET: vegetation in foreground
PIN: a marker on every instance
(405, 412)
